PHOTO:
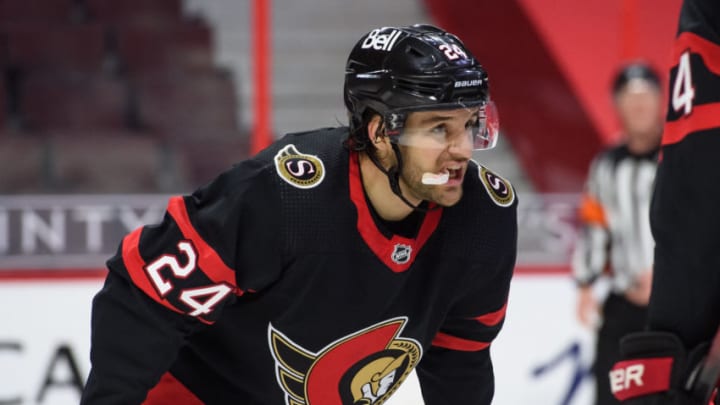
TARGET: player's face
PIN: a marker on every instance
(422, 156)
(640, 110)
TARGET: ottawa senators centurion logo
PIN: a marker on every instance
(497, 188)
(364, 368)
(298, 169)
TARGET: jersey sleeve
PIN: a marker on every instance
(684, 210)
(170, 279)
(457, 367)
(694, 102)
(590, 255)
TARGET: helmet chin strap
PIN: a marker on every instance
(393, 175)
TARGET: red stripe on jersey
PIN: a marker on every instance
(493, 318)
(708, 50)
(705, 116)
(455, 343)
(135, 266)
(171, 391)
(383, 247)
(208, 259)
(702, 117)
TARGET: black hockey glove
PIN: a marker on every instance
(657, 370)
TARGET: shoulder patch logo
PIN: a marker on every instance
(363, 368)
(298, 169)
(497, 188)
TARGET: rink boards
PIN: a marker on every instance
(52, 250)
(541, 356)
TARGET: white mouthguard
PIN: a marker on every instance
(436, 179)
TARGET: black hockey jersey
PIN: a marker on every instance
(276, 284)
(685, 213)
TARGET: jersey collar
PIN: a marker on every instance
(397, 252)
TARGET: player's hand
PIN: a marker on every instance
(656, 369)
(588, 310)
(639, 293)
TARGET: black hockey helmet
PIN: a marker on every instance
(397, 70)
(634, 72)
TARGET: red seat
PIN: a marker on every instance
(3, 49)
(205, 160)
(56, 47)
(175, 46)
(128, 11)
(24, 159)
(197, 106)
(112, 162)
(73, 102)
(49, 11)
(3, 104)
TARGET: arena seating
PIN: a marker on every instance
(39, 47)
(113, 162)
(102, 96)
(3, 103)
(165, 46)
(37, 11)
(24, 163)
(196, 106)
(133, 11)
(55, 101)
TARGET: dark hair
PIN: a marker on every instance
(359, 138)
(633, 71)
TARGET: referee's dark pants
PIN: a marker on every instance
(620, 317)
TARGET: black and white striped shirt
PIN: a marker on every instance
(615, 234)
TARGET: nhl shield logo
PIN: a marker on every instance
(401, 253)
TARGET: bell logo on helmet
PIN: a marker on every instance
(380, 42)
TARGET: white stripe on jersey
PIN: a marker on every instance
(622, 184)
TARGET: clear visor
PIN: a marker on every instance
(480, 133)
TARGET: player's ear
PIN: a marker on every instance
(376, 133)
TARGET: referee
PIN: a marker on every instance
(615, 240)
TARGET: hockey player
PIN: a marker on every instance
(615, 238)
(326, 268)
(671, 364)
